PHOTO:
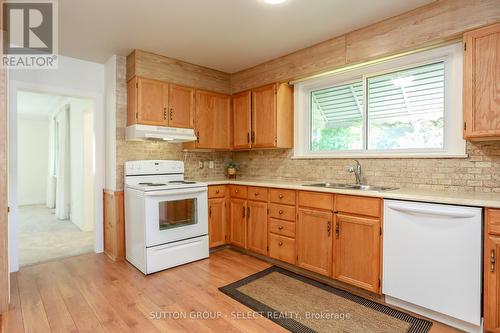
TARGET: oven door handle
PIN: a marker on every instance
(176, 192)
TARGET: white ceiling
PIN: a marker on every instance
(229, 35)
(35, 104)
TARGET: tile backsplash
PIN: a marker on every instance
(479, 172)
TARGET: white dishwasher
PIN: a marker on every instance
(432, 261)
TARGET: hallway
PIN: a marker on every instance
(42, 237)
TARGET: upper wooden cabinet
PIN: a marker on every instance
(481, 94)
(212, 121)
(242, 120)
(266, 119)
(157, 103)
(181, 106)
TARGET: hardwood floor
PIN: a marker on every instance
(90, 293)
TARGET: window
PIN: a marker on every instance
(408, 106)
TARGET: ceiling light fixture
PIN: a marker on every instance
(274, 2)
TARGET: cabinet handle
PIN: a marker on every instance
(198, 136)
(171, 114)
(248, 212)
(253, 137)
(256, 194)
(236, 191)
(280, 227)
(210, 212)
(281, 196)
(216, 191)
(280, 243)
(164, 113)
(492, 261)
(243, 211)
(337, 230)
(329, 228)
(248, 137)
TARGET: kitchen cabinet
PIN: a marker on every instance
(491, 273)
(216, 222)
(157, 103)
(114, 225)
(257, 226)
(181, 106)
(282, 248)
(242, 120)
(267, 120)
(357, 251)
(212, 121)
(147, 102)
(314, 240)
(481, 81)
(238, 213)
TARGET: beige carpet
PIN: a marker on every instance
(303, 305)
(42, 237)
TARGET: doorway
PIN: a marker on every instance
(55, 176)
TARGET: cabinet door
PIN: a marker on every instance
(481, 83)
(314, 240)
(264, 117)
(222, 122)
(242, 120)
(257, 227)
(181, 106)
(150, 106)
(204, 122)
(216, 222)
(357, 251)
(491, 284)
(238, 208)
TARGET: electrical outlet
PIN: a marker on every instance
(200, 164)
(211, 164)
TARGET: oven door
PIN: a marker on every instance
(174, 215)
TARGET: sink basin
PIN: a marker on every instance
(353, 187)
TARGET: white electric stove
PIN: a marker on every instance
(166, 217)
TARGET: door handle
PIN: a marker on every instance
(329, 228)
(492, 261)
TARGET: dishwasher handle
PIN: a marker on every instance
(427, 211)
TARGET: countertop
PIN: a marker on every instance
(477, 199)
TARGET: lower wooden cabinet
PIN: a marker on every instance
(314, 240)
(238, 213)
(491, 272)
(257, 227)
(282, 248)
(357, 251)
(114, 225)
(216, 222)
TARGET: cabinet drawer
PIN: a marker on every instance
(316, 200)
(216, 191)
(282, 228)
(282, 248)
(282, 196)
(358, 205)
(237, 191)
(257, 193)
(493, 221)
(283, 212)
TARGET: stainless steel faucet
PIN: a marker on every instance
(357, 172)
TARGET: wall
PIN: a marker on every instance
(81, 161)
(33, 149)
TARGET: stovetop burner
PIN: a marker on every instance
(181, 182)
(152, 184)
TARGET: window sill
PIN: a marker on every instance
(377, 156)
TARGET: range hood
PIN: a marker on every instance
(159, 133)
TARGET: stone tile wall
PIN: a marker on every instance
(480, 172)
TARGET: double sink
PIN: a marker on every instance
(353, 187)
